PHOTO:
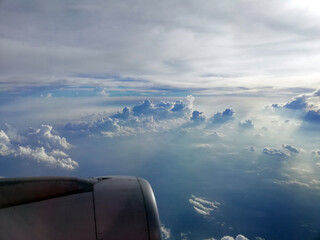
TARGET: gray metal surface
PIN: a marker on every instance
(69, 217)
(103, 208)
(15, 191)
(120, 210)
(151, 210)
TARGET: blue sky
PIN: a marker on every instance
(216, 103)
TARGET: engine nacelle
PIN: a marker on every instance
(115, 208)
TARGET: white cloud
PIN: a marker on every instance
(250, 148)
(223, 117)
(58, 153)
(165, 233)
(202, 206)
(5, 145)
(13, 134)
(45, 136)
(238, 237)
(40, 155)
(197, 117)
(203, 145)
(247, 124)
(4, 137)
(53, 158)
(308, 105)
(316, 152)
(297, 103)
(275, 152)
(286, 151)
(162, 110)
(312, 184)
(104, 93)
(104, 124)
(241, 237)
(291, 148)
(141, 118)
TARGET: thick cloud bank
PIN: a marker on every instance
(148, 116)
(40, 145)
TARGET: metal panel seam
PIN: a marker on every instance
(94, 214)
(145, 208)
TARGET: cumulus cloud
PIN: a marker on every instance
(286, 151)
(165, 232)
(38, 152)
(104, 124)
(312, 116)
(197, 117)
(300, 102)
(146, 116)
(203, 206)
(125, 114)
(5, 145)
(247, 124)
(162, 110)
(222, 117)
(291, 148)
(45, 136)
(275, 152)
(40, 155)
(13, 133)
(238, 237)
(316, 152)
(250, 148)
(307, 104)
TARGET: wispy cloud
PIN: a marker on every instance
(203, 206)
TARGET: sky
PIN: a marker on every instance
(215, 103)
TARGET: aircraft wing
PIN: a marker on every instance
(45, 208)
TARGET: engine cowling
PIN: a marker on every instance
(100, 208)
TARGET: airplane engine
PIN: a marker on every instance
(115, 208)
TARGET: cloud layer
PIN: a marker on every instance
(148, 116)
(202, 47)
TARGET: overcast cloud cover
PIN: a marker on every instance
(195, 45)
(216, 103)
